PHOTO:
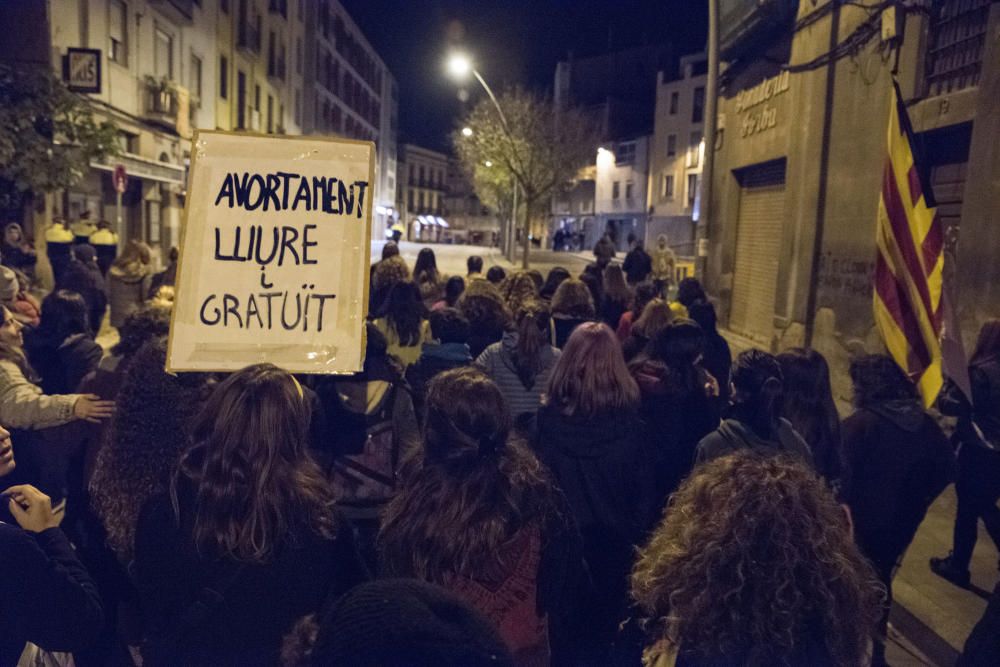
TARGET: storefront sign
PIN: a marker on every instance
(82, 70)
(274, 254)
(763, 116)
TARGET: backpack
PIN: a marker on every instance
(364, 477)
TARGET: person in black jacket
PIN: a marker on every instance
(83, 276)
(718, 358)
(978, 432)
(590, 435)
(62, 350)
(247, 530)
(449, 349)
(478, 514)
(678, 400)
(755, 420)
(638, 264)
(897, 462)
(46, 595)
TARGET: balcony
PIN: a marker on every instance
(181, 11)
(957, 37)
(248, 37)
(160, 102)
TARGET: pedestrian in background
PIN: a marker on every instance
(616, 297)
(717, 359)
(604, 252)
(572, 305)
(522, 361)
(17, 253)
(474, 266)
(753, 564)
(58, 240)
(552, 282)
(978, 434)
(479, 515)
(664, 264)
(427, 277)
(128, 281)
(488, 317)
(496, 274)
(83, 228)
(638, 265)
(83, 276)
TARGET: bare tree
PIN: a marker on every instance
(533, 146)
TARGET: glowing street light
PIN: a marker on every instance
(466, 131)
(488, 163)
(459, 66)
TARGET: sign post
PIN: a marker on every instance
(120, 179)
(274, 259)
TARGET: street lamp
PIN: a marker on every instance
(466, 131)
(459, 67)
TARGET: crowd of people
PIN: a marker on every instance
(528, 470)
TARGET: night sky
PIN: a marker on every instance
(511, 41)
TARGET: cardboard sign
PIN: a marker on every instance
(274, 254)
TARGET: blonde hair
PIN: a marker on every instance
(656, 317)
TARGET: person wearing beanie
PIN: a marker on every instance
(397, 623)
(83, 276)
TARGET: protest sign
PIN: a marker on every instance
(274, 255)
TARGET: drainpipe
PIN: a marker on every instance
(711, 122)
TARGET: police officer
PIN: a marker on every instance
(58, 239)
(105, 242)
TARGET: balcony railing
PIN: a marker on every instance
(957, 38)
(248, 37)
(160, 104)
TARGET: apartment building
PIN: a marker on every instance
(422, 190)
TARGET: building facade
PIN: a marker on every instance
(468, 219)
(422, 189)
(799, 159)
(676, 155)
(350, 92)
(620, 192)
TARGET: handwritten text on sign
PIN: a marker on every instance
(275, 252)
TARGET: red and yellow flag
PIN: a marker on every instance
(910, 262)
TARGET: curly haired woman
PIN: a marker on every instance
(754, 564)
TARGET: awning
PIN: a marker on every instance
(140, 167)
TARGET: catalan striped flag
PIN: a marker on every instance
(910, 262)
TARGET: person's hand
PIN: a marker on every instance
(711, 385)
(91, 408)
(32, 509)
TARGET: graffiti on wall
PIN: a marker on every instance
(846, 276)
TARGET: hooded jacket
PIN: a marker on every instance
(127, 290)
(897, 462)
(733, 435)
(497, 361)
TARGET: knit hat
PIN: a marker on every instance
(85, 253)
(397, 622)
(9, 286)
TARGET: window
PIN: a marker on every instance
(195, 76)
(667, 187)
(692, 193)
(272, 55)
(671, 145)
(698, 109)
(694, 150)
(281, 118)
(241, 100)
(128, 143)
(118, 33)
(421, 179)
(409, 199)
(163, 55)
(625, 153)
(615, 190)
(224, 6)
(223, 77)
(298, 107)
(629, 187)
(675, 99)
(270, 114)
(256, 97)
(298, 55)
(421, 199)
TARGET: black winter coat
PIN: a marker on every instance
(46, 595)
(87, 281)
(637, 265)
(62, 364)
(897, 461)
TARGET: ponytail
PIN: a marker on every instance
(532, 338)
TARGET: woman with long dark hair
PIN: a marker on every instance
(616, 297)
(247, 531)
(482, 305)
(807, 403)
(978, 483)
(62, 349)
(572, 305)
(753, 564)
(897, 461)
(718, 358)
(520, 364)
(478, 514)
(677, 400)
(590, 435)
(552, 282)
(403, 322)
(453, 289)
(427, 277)
(755, 420)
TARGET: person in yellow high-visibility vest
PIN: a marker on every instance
(58, 240)
(83, 228)
(105, 242)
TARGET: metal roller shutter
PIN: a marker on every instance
(758, 244)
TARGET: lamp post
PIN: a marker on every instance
(459, 67)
